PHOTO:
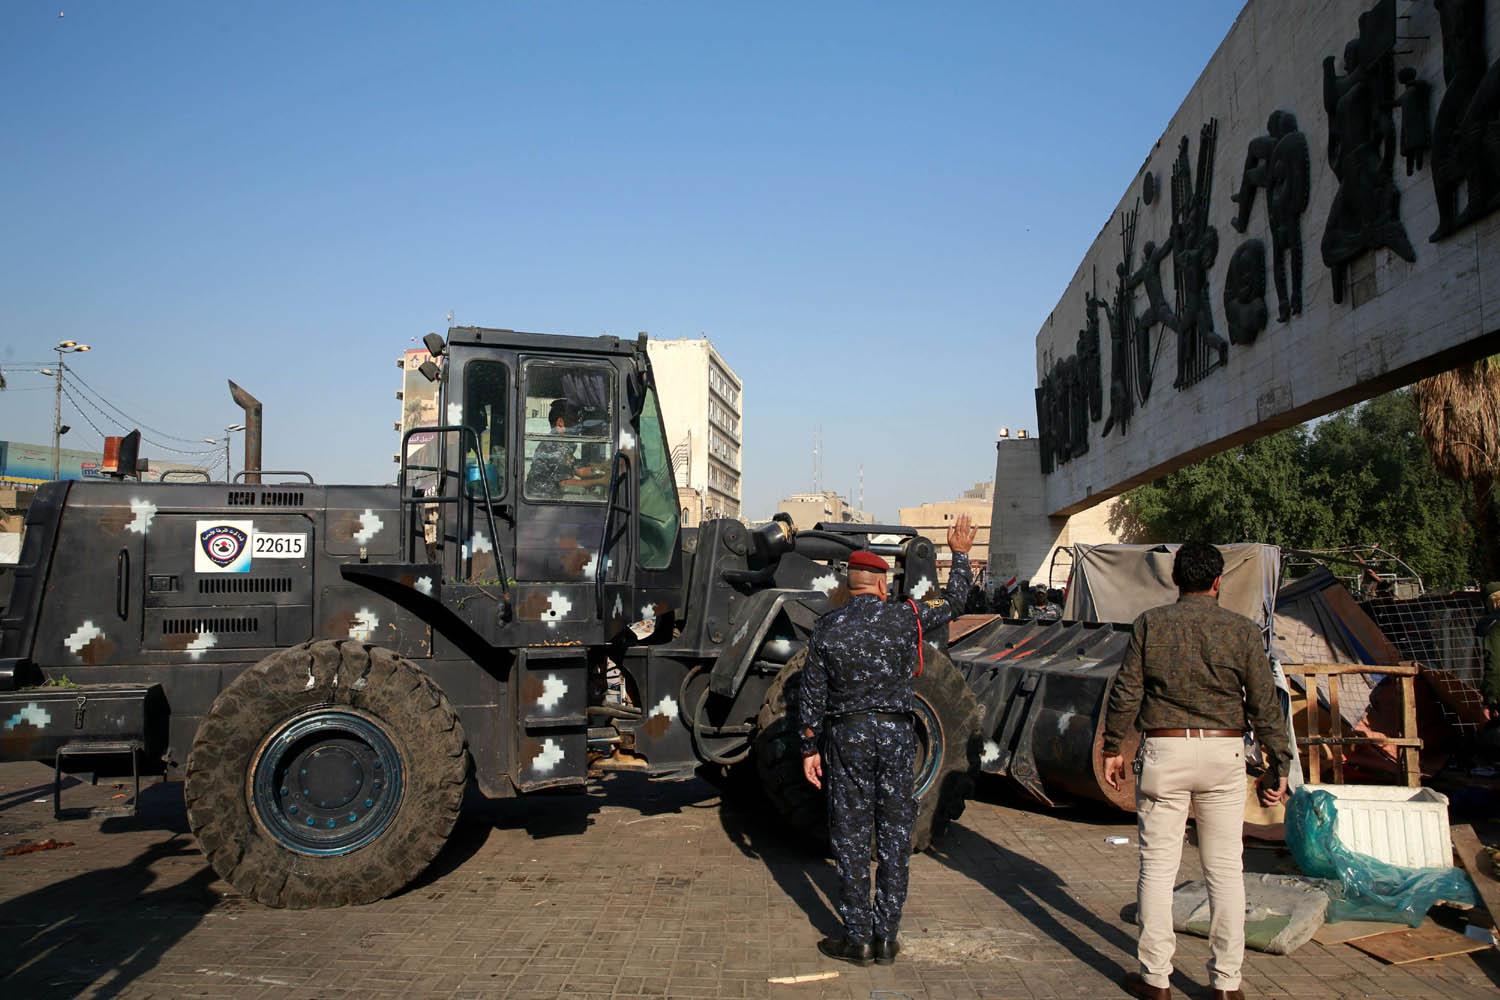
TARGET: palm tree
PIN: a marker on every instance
(1459, 414)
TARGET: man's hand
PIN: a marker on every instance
(1114, 770)
(1271, 796)
(961, 534)
(812, 769)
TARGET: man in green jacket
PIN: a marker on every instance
(1195, 680)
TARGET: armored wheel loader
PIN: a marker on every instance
(329, 666)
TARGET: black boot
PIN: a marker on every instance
(847, 951)
(886, 950)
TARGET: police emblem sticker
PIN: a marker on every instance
(223, 546)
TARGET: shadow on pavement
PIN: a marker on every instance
(801, 871)
(1034, 891)
(106, 925)
(44, 791)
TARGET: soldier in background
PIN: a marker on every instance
(857, 696)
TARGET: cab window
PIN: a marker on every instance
(486, 409)
(570, 431)
(658, 522)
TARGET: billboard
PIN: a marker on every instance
(32, 463)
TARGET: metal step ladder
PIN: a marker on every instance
(97, 748)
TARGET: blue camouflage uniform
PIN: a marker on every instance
(860, 660)
(551, 463)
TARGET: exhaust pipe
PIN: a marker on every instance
(251, 406)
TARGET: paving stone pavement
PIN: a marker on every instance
(634, 890)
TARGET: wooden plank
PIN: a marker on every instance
(1474, 860)
(1426, 943)
(1336, 728)
(1407, 669)
(1353, 930)
(1411, 762)
(1323, 741)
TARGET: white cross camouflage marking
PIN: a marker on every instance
(144, 511)
(365, 624)
(553, 689)
(82, 636)
(549, 758)
(369, 526)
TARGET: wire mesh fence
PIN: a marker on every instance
(1438, 630)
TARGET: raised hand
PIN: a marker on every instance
(961, 534)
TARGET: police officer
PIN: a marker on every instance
(857, 695)
(554, 463)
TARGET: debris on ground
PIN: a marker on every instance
(31, 847)
(966, 947)
(810, 977)
(1421, 944)
(1352, 930)
(1282, 912)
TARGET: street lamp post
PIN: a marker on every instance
(228, 431)
(63, 347)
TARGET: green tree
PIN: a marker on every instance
(1363, 476)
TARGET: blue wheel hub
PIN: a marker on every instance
(327, 783)
(929, 747)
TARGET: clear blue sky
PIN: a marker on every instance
(842, 196)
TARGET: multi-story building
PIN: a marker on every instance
(808, 509)
(934, 519)
(702, 404)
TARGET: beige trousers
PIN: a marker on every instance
(1207, 774)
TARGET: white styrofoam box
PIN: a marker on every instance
(1401, 826)
(10, 546)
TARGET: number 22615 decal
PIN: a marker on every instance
(279, 545)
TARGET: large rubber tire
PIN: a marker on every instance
(948, 701)
(334, 679)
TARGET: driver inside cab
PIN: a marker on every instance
(555, 464)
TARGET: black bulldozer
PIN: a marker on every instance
(328, 667)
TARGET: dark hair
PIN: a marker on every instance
(561, 409)
(1196, 567)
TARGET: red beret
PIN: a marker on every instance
(866, 560)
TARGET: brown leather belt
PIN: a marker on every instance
(1195, 733)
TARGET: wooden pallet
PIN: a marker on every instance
(1407, 744)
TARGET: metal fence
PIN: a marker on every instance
(1438, 631)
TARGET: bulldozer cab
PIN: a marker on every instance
(545, 492)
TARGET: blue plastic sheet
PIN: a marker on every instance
(1368, 888)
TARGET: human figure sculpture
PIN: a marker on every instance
(1245, 292)
(1286, 201)
(1464, 66)
(1078, 405)
(1196, 321)
(1044, 425)
(1365, 212)
(1089, 357)
(1149, 274)
(1195, 247)
(1416, 118)
(1121, 403)
(1257, 171)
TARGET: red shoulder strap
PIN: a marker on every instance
(920, 658)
